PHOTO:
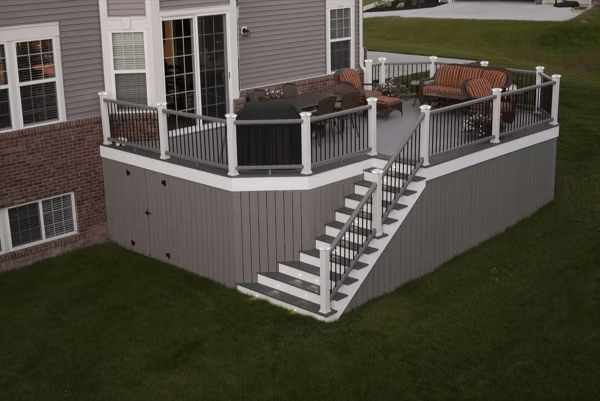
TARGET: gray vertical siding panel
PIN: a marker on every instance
(254, 234)
(287, 42)
(236, 213)
(272, 230)
(280, 226)
(264, 233)
(456, 206)
(126, 8)
(297, 221)
(80, 43)
(288, 229)
(184, 4)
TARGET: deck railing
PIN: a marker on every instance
(526, 107)
(400, 170)
(197, 138)
(214, 141)
(340, 135)
(132, 124)
(460, 125)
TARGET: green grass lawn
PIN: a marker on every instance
(515, 318)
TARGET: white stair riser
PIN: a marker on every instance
(353, 204)
(299, 311)
(335, 231)
(342, 218)
(290, 289)
(309, 259)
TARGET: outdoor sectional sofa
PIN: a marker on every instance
(448, 85)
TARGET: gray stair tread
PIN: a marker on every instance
(329, 239)
(339, 225)
(358, 198)
(340, 260)
(287, 298)
(314, 270)
(296, 282)
(348, 211)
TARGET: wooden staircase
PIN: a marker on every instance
(296, 284)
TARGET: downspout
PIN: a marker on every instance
(360, 33)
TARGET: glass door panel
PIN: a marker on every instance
(213, 65)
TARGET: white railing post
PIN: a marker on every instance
(232, 144)
(372, 101)
(484, 63)
(306, 142)
(163, 131)
(377, 206)
(369, 73)
(382, 76)
(104, 118)
(538, 80)
(433, 68)
(555, 98)
(324, 255)
(426, 110)
(496, 105)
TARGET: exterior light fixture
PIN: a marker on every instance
(245, 31)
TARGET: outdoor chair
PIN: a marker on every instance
(351, 100)
(258, 95)
(290, 90)
(325, 106)
(480, 118)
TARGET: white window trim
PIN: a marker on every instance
(27, 33)
(5, 236)
(332, 5)
(114, 71)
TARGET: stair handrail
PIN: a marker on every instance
(343, 232)
(413, 140)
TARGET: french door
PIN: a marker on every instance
(195, 64)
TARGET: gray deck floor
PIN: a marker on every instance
(392, 132)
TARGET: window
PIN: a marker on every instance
(130, 67)
(340, 38)
(30, 79)
(37, 222)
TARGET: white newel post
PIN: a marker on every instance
(305, 143)
(538, 80)
(555, 98)
(382, 76)
(376, 211)
(496, 106)
(232, 144)
(104, 117)
(433, 68)
(369, 72)
(426, 110)
(163, 131)
(484, 63)
(372, 101)
(324, 255)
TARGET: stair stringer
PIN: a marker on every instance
(380, 244)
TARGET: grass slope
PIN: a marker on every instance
(515, 318)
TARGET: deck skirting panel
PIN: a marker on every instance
(458, 211)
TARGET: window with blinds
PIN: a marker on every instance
(340, 37)
(39, 221)
(130, 67)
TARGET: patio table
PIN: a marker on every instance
(308, 100)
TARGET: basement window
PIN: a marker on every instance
(37, 222)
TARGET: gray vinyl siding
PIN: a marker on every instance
(183, 4)
(288, 41)
(458, 211)
(226, 236)
(80, 43)
(126, 8)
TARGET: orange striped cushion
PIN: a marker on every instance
(469, 73)
(351, 76)
(479, 88)
(448, 75)
(387, 100)
(496, 78)
(442, 89)
(372, 93)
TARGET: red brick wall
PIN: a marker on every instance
(46, 161)
(325, 83)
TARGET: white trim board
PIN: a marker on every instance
(250, 184)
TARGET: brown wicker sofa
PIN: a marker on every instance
(448, 83)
